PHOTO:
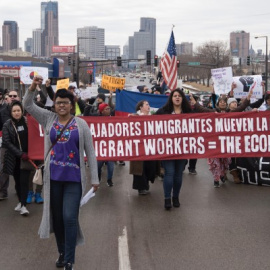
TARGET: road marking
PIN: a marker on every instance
(123, 252)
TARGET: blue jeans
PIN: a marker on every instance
(172, 181)
(110, 169)
(65, 202)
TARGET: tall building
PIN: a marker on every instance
(149, 25)
(91, 41)
(184, 48)
(131, 47)
(142, 43)
(112, 51)
(239, 44)
(28, 45)
(37, 41)
(10, 35)
(49, 25)
(143, 40)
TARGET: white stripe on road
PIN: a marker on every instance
(123, 252)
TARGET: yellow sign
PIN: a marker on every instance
(62, 84)
(112, 83)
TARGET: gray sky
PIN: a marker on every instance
(195, 21)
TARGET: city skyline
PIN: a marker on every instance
(196, 22)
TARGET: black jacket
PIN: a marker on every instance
(10, 143)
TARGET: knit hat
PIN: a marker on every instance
(230, 100)
(102, 106)
(102, 96)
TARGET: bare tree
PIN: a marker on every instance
(212, 54)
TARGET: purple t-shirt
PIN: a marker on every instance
(65, 158)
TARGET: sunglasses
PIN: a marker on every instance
(12, 95)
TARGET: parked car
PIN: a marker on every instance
(204, 99)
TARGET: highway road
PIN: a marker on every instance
(225, 228)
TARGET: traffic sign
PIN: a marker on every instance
(194, 63)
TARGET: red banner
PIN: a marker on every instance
(160, 137)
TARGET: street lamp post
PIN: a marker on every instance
(266, 61)
(78, 58)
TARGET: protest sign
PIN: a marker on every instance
(62, 84)
(245, 83)
(89, 92)
(161, 137)
(112, 83)
(27, 74)
(222, 78)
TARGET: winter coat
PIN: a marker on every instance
(46, 119)
(11, 145)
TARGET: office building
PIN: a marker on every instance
(142, 43)
(112, 52)
(184, 48)
(239, 44)
(10, 35)
(28, 45)
(149, 25)
(37, 41)
(49, 26)
(91, 41)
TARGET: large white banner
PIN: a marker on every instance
(28, 73)
(244, 85)
(222, 78)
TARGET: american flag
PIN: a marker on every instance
(168, 64)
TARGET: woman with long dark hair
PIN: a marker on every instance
(15, 139)
(177, 104)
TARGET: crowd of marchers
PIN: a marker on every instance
(67, 138)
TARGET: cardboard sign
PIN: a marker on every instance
(222, 78)
(62, 84)
(112, 83)
(245, 83)
(27, 74)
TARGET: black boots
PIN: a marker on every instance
(169, 202)
(175, 202)
(60, 261)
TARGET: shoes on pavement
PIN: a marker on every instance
(222, 179)
(68, 266)
(192, 171)
(122, 163)
(38, 198)
(216, 184)
(18, 207)
(24, 211)
(175, 202)
(30, 197)
(110, 182)
(143, 192)
(168, 204)
(3, 196)
(60, 263)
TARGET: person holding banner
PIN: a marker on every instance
(219, 166)
(66, 139)
(143, 171)
(177, 103)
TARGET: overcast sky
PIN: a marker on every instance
(196, 21)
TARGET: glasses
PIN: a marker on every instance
(58, 103)
(12, 96)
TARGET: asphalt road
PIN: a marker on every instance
(225, 228)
